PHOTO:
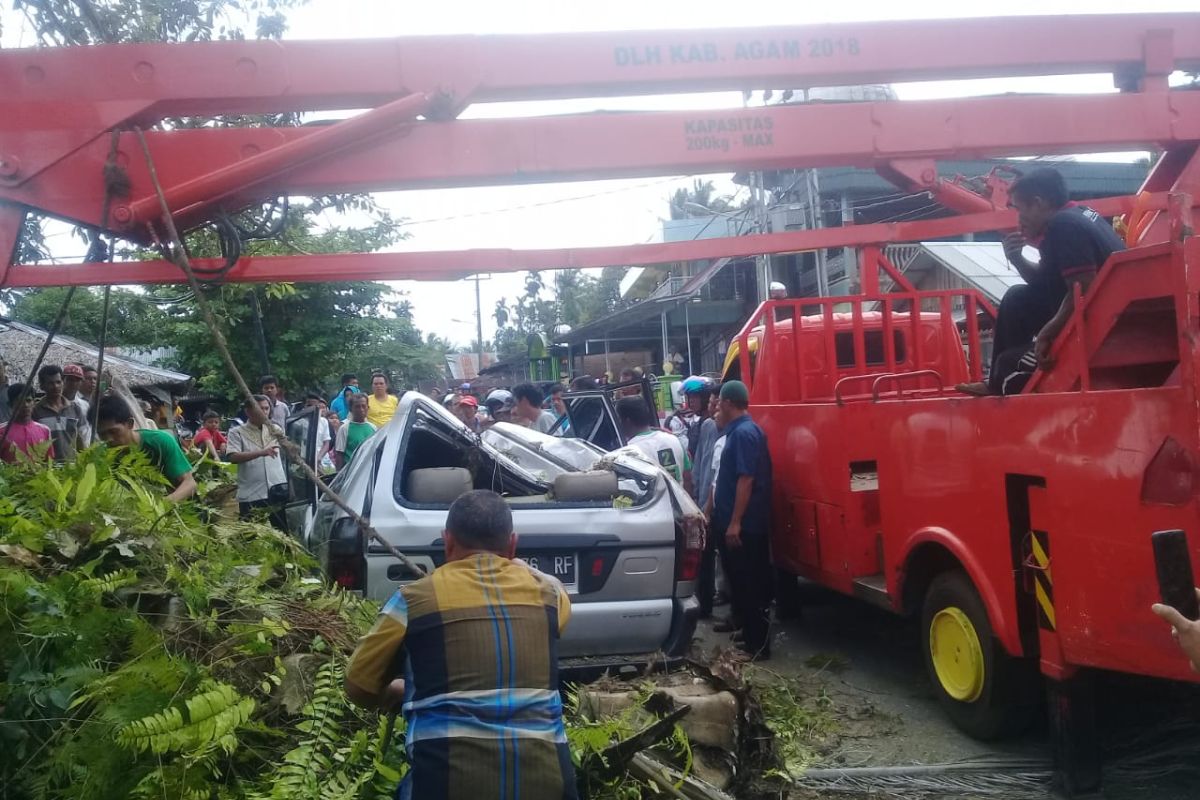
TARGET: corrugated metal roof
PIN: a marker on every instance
(982, 264)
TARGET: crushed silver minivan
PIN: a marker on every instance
(622, 536)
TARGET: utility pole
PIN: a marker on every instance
(813, 187)
(478, 328)
(762, 262)
(814, 208)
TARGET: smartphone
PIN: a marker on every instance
(1173, 563)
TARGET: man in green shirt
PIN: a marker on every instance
(356, 431)
(116, 426)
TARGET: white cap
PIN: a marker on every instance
(776, 286)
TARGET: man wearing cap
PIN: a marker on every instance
(467, 409)
(741, 518)
(73, 391)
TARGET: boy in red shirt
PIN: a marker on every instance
(22, 432)
(210, 437)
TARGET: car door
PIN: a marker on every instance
(301, 427)
(593, 413)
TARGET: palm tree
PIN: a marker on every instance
(683, 202)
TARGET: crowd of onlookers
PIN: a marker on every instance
(65, 413)
(705, 444)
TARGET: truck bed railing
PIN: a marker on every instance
(862, 347)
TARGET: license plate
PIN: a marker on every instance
(561, 565)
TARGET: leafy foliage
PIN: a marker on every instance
(800, 717)
(64, 22)
(211, 716)
(578, 298)
(313, 333)
(151, 650)
(133, 321)
(698, 201)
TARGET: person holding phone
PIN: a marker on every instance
(1185, 631)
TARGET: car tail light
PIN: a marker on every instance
(690, 548)
(347, 563)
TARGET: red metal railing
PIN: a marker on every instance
(842, 349)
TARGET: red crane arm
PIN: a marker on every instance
(592, 146)
(453, 264)
(250, 77)
(67, 100)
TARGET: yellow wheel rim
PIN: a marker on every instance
(957, 655)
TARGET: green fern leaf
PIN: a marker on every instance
(204, 718)
(107, 584)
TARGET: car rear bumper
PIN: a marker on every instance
(683, 626)
(675, 648)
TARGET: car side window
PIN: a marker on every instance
(591, 421)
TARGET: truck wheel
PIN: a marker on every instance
(986, 692)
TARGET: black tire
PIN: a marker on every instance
(1005, 700)
(788, 604)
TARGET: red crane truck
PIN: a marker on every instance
(1017, 528)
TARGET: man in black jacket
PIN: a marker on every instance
(1074, 242)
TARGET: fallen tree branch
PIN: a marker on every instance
(667, 778)
(178, 255)
(618, 756)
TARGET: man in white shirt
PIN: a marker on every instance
(256, 452)
(659, 446)
(324, 438)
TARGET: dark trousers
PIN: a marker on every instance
(748, 572)
(706, 581)
(1023, 312)
(276, 515)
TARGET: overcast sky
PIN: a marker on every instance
(607, 212)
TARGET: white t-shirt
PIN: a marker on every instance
(545, 422)
(718, 448)
(665, 450)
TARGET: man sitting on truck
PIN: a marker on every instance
(1074, 242)
(477, 641)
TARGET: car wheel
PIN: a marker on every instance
(986, 692)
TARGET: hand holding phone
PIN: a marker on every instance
(1173, 563)
(1181, 600)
